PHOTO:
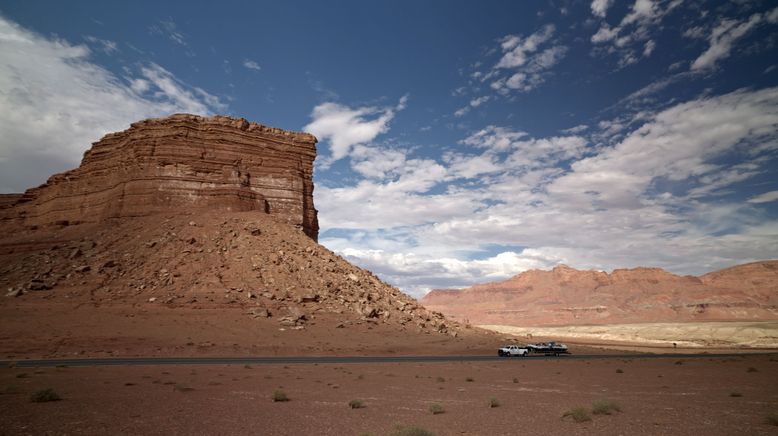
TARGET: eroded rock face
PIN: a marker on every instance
(566, 296)
(182, 162)
(8, 200)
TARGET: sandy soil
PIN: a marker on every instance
(657, 396)
(707, 335)
(43, 329)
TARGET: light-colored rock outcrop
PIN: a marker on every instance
(182, 162)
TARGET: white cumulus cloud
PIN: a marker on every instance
(344, 127)
(251, 65)
(517, 50)
(631, 38)
(724, 36)
(513, 202)
(600, 7)
(55, 101)
(767, 197)
(527, 61)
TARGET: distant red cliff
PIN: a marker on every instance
(566, 296)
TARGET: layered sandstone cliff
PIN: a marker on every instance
(182, 162)
(566, 296)
(197, 213)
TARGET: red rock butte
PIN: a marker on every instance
(181, 162)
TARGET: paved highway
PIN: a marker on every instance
(308, 360)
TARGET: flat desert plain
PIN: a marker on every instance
(656, 396)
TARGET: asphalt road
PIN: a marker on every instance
(308, 360)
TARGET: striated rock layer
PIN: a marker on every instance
(182, 162)
(566, 296)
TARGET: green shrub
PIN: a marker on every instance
(356, 404)
(436, 409)
(605, 407)
(440, 379)
(772, 418)
(515, 380)
(493, 402)
(579, 414)
(279, 396)
(619, 371)
(45, 395)
(411, 431)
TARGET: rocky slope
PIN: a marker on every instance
(182, 162)
(566, 296)
(247, 261)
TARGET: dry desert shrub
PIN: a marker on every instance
(279, 396)
(183, 388)
(356, 404)
(436, 409)
(578, 414)
(772, 418)
(411, 431)
(493, 403)
(605, 407)
(44, 396)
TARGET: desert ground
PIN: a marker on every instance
(710, 396)
(243, 284)
(40, 329)
(702, 395)
(658, 337)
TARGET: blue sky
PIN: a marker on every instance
(460, 142)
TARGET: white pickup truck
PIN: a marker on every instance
(512, 350)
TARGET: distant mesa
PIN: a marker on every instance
(566, 296)
(181, 162)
